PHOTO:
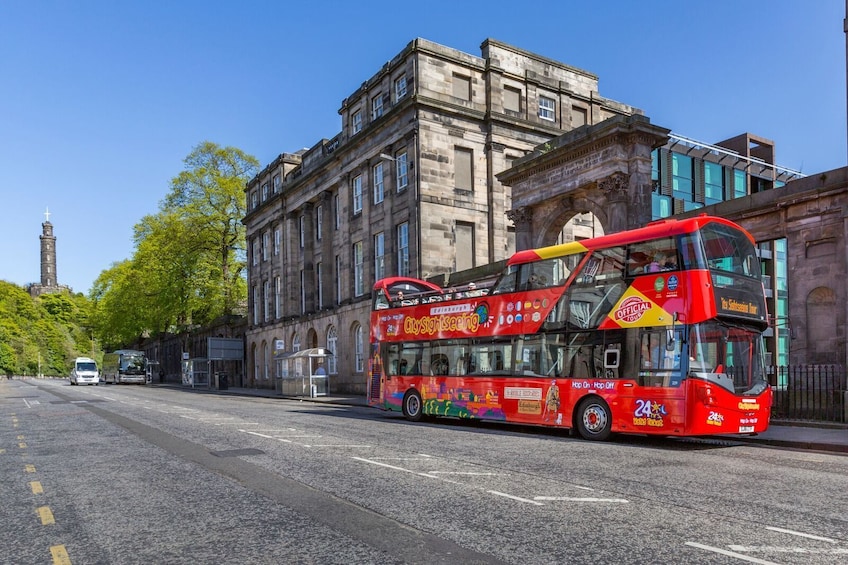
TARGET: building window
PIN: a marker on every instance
(254, 200)
(400, 87)
(265, 360)
(332, 345)
(337, 212)
(256, 302)
(578, 117)
(512, 99)
(295, 343)
(277, 183)
(740, 184)
(356, 122)
(378, 183)
(338, 279)
(461, 87)
(265, 190)
(403, 249)
(278, 297)
(713, 183)
(464, 246)
(379, 256)
(301, 231)
(463, 171)
(356, 189)
(358, 349)
(402, 168)
(266, 300)
(319, 224)
(278, 236)
(376, 107)
(266, 245)
(681, 180)
(358, 269)
(319, 285)
(257, 251)
(547, 108)
(302, 292)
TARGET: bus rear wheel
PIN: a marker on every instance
(594, 420)
(412, 406)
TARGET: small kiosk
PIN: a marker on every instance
(304, 373)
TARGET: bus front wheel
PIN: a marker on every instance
(412, 407)
(594, 420)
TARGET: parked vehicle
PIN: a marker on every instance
(85, 372)
(125, 366)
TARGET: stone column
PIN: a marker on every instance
(522, 218)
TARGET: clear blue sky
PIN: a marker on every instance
(100, 101)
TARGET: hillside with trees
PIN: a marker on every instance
(42, 335)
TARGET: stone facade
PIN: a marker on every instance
(423, 140)
(49, 278)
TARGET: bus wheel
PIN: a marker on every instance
(412, 407)
(594, 420)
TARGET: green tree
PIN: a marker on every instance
(188, 265)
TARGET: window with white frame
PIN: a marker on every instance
(333, 346)
(277, 183)
(356, 190)
(378, 183)
(256, 302)
(376, 107)
(265, 191)
(278, 297)
(266, 300)
(358, 269)
(338, 279)
(266, 245)
(319, 222)
(257, 251)
(337, 212)
(400, 87)
(403, 249)
(302, 292)
(356, 122)
(295, 343)
(254, 199)
(402, 168)
(278, 237)
(319, 285)
(547, 108)
(379, 256)
(358, 349)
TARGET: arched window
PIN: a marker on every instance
(265, 361)
(332, 345)
(358, 349)
(295, 342)
(255, 357)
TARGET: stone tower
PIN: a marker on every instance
(48, 253)
(49, 279)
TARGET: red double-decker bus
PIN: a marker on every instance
(656, 330)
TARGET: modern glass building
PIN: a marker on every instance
(688, 175)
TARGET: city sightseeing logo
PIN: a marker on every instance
(632, 309)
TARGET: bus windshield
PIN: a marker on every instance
(715, 347)
(132, 364)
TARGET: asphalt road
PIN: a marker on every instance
(133, 474)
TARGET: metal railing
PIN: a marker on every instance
(816, 393)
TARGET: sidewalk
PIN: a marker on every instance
(799, 435)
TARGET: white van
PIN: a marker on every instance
(85, 372)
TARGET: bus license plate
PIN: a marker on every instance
(746, 429)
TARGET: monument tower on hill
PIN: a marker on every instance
(49, 278)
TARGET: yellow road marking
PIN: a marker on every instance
(2, 451)
(46, 515)
(20, 438)
(60, 555)
(22, 445)
(36, 487)
(30, 468)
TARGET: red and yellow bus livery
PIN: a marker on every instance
(656, 330)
